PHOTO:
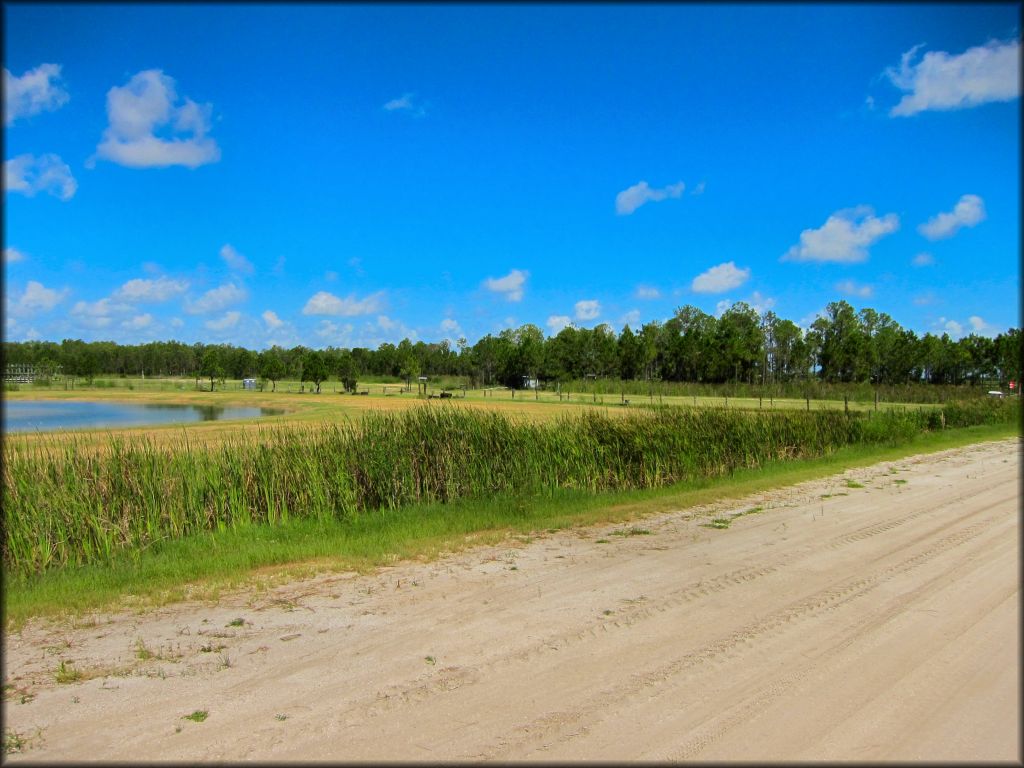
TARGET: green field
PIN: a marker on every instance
(347, 481)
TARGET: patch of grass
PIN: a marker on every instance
(719, 523)
(204, 564)
(854, 484)
(281, 717)
(239, 622)
(141, 651)
(634, 531)
(430, 660)
(198, 716)
(830, 495)
(603, 541)
(66, 673)
(900, 482)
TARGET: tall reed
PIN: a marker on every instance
(67, 505)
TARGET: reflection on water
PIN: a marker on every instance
(49, 415)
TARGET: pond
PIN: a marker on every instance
(49, 415)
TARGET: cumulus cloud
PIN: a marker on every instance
(923, 260)
(723, 306)
(235, 260)
(631, 198)
(844, 237)
(144, 290)
(216, 299)
(324, 303)
(558, 322)
(405, 103)
(854, 289)
(511, 285)
(38, 90)
(941, 81)
(952, 327)
(969, 210)
(981, 327)
(38, 298)
(588, 309)
(29, 174)
(11, 255)
(272, 320)
(146, 105)
(631, 318)
(721, 278)
(760, 303)
(647, 292)
(138, 322)
(451, 328)
(102, 308)
(223, 323)
(331, 331)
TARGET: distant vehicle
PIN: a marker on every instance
(996, 393)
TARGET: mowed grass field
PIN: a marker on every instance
(330, 406)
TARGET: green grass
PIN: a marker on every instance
(202, 565)
(197, 717)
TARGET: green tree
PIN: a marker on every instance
(271, 366)
(211, 365)
(314, 368)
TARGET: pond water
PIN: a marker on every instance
(48, 415)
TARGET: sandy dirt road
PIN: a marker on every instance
(869, 623)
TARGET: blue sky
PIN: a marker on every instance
(347, 175)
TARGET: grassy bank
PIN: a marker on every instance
(203, 564)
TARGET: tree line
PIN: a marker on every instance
(739, 346)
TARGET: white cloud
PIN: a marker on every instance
(924, 299)
(631, 318)
(142, 289)
(699, 189)
(558, 322)
(11, 255)
(923, 260)
(511, 284)
(968, 211)
(844, 237)
(647, 292)
(760, 303)
(101, 308)
(324, 303)
(980, 327)
(451, 328)
(38, 298)
(272, 320)
(333, 332)
(138, 322)
(723, 306)
(235, 260)
(177, 322)
(587, 309)
(36, 91)
(229, 320)
(854, 289)
(216, 299)
(952, 327)
(385, 323)
(405, 103)
(631, 198)
(721, 278)
(941, 81)
(47, 173)
(146, 104)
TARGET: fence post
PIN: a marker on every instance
(808, 402)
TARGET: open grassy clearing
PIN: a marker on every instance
(154, 567)
(332, 407)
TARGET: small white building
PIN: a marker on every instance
(248, 383)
